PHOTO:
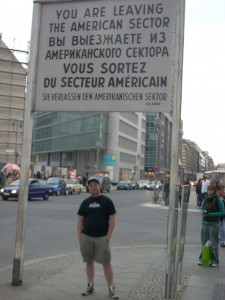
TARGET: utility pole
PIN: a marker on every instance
(17, 125)
(174, 166)
(138, 166)
(156, 167)
(18, 261)
(98, 149)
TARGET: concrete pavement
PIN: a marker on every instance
(139, 273)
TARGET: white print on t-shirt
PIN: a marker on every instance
(94, 205)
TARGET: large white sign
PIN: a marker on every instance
(105, 56)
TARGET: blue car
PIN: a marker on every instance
(57, 186)
(38, 188)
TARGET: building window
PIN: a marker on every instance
(125, 174)
(132, 117)
(128, 129)
(70, 156)
(127, 144)
(88, 156)
(127, 158)
(55, 156)
(143, 124)
(43, 157)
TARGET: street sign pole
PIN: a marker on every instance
(17, 273)
(174, 168)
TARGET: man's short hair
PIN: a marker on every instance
(220, 187)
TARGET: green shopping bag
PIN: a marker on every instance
(206, 255)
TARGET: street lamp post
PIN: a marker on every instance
(156, 167)
(98, 149)
(138, 166)
(17, 124)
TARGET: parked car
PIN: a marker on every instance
(73, 186)
(104, 183)
(79, 185)
(38, 188)
(135, 185)
(57, 186)
(145, 184)
(124, 185)
(152, 185)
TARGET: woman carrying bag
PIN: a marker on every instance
(212, 209)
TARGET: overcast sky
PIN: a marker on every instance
(203, 74)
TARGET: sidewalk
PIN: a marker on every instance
(139, 275)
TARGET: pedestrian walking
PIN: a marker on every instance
(220, 190)
(212, 209)
(95, 225)
(166, 192)
(1, 179)
(204, 189)
(198, 190)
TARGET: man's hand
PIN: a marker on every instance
(204, 213)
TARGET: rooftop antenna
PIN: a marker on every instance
(14, 40)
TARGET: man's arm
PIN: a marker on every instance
(112, 222)
(80, 222)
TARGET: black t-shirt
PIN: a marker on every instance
(96, 212)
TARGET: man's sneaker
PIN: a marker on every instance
(214, 265)
(89, 290)
(112, 294)
(199, 262)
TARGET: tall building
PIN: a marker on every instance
(194, 160)
(190, 160)
(91, 142)
(158, 144)
(12, 102)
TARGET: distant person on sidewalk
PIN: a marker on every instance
(204, 189)
(198, 190)
(1, 179)
(220, 190)
(185, 182)
(95, 225)
(212, 209)
(166, 192)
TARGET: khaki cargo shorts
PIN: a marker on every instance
(95, 248)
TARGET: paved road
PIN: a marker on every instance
(50, 225)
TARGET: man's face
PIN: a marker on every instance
(221, 192)
(94, 188)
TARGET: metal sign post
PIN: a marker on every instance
(181, 235)
(17, 273)
(174, 168)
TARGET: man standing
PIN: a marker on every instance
(95, 225)
(204, 189)
(166, 192)
(198, 190)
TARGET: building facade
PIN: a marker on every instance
(194, 160)
(12, 101)
(91, 142)
(189, 160)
